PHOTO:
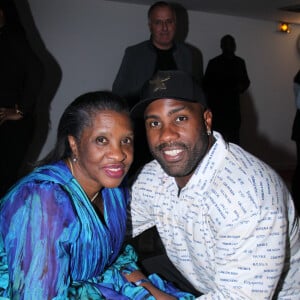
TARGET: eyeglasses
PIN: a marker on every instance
(161, 23)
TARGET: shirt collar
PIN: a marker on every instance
(208, 167)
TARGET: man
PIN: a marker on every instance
(224, 80)
(21, 75)
(161, 52)
(141, 61)
(226, 219)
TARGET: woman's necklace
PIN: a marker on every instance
(94, 197)
(72, 172)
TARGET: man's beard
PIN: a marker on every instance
(186, 167)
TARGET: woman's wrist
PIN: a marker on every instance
(141, 281)
(18, 111)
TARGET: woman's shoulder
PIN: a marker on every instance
(42, 185)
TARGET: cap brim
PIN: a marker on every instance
(138, 110)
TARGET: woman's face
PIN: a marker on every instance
(105, 151)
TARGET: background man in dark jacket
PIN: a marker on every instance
(224, 80)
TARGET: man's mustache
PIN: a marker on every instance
(171, 145)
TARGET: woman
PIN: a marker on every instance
(63, 225)
(21, 79)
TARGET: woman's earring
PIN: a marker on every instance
(208, 132)
(74, 159)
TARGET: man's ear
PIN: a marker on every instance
(208, 117)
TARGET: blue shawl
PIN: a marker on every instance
(53, 245)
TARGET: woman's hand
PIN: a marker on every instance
(137, 275)
(9, 114)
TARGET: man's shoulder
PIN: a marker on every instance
(182, 45)
(238, 58)
(216, 58)
(151, 172)
(152, 167)
(140, 46)
(250, 165)
(214, 62)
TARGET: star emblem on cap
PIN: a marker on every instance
(159, 83)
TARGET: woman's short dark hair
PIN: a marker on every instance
(79, 115)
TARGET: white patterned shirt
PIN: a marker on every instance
(232, 231)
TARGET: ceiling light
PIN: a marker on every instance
(284, 27)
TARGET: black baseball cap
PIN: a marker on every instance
(169, 85)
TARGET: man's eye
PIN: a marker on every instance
(170, 21)
(181, 118)
(158, 22)
(101, 140)
(154, 124)
(127, 141)
(163, 22)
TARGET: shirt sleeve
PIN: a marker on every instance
(37, 222)
(140, 212)
(250, 256)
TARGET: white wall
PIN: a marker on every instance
(88, 38)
